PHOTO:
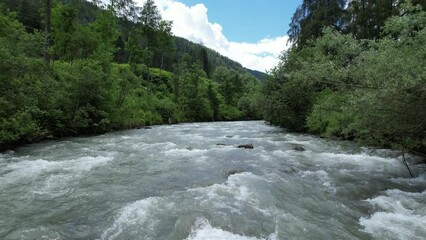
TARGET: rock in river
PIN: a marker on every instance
(247, 146)
(299, 148)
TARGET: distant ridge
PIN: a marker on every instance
(258, 74)
(215, 59)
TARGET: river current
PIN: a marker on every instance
(190, 181)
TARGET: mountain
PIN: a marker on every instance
(28, 12)
(257, 74)
(214, 59)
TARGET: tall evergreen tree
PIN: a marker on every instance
(312, 17)
(420, 2)
(165, 41)
(47, 16)
(126, 9)
(204, 60)
(366, 18)
(150, 16)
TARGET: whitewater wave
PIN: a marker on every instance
(399, 215)
(31, 169)
(202, 230)
(218, 201)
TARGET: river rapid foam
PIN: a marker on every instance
(190, 181)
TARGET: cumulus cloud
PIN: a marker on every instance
(192, 23)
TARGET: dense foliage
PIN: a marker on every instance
(364, 19)
(111, 68)
(361, 85)
(355, 71)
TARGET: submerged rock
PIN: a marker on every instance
(143, 127)
(299, 148)
(233, 171)
(247, 146)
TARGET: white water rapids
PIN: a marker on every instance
(176, 182)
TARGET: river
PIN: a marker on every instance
(176, 182)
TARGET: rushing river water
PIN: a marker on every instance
(175, 182)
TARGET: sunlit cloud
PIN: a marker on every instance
(192, 23)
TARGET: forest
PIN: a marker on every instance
(76, 67)
(355, 70)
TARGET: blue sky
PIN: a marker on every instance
(250, 20)
(251, 32)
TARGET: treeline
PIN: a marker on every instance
(358, 73)
(108, 71)
(28, 13)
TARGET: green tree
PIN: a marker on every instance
(165, 41)
(149, 24)
(214, 99)
(312, 17)
(393, 108)
(150, 16)
(85, 100)
(126, 9)
(105, 27)
(193, 89)
(138, 54)
(25, 86)
(369, 90)
(203, 59)
(47, 13)
(231, 84)
(64, 27)
(249, 102)
(366, 18)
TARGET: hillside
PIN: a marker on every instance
(258, 74)
(215, 59)
(28, 12)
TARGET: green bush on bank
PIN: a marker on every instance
(369, 90)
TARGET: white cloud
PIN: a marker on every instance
(192, 23)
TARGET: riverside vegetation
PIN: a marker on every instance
(356, 70)
(363, 77)
(106, 69)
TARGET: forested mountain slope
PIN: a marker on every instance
(28, 13)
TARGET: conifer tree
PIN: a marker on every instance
(312, 17)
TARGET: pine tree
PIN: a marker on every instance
(150, 16)
(366, 18)
(47, 15)
(126, 9)
(312, 17)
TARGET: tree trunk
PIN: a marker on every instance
(161, 64)
(47, 30)
(406, 165)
